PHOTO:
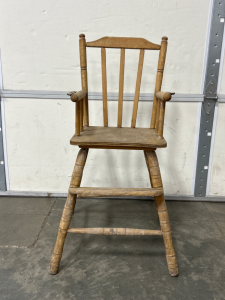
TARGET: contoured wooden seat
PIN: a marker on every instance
(119, 138)
(132, 138)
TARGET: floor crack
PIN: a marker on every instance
(213, 219)
(43, 225)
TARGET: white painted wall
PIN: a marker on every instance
(39, 39)
(41, 158)
(221, 84)
(39, 48)
(217, 176)
(217, 180)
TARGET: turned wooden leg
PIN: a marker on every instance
(156, 181)
(67, 212)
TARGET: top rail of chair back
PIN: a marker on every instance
(124, 43)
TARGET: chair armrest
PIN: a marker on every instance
(161, 110)
(77, 96)
(164, 96)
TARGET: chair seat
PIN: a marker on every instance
(114, 137)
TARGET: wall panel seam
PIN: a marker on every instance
(94, 96)
(212, 148)
(3, 130)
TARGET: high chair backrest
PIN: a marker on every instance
(123, 43)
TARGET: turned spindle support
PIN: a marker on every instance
(156, 182)
(67, 212)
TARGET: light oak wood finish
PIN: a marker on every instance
(84, 82)
(121, 85)
(77, 122)
(118, 137)
(158, 84)
(164, 96)
(123, 42)
(82, 115)
(156, 182)
(77, 96)
(67, 212)
(162, 105)
(137, 89)
(115, 231)
(104, 88)
(132, 138)
(84, 192)
(119, 147)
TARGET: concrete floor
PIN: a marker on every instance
(110, 267)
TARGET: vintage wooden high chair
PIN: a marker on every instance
(147, 139)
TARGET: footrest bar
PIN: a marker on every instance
(101, 192)
(115, 231)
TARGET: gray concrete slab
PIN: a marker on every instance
(183, 210)
(20, 230)
(217, 210)
(21, 220)
(221, 226)
(25, 205)
(110, 267)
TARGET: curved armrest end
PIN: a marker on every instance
(164, 96)
(77, 96)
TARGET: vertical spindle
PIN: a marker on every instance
(104, 87)
(162, 105)
(121, 85)
(158, 84)
(137, 89)
(77, 118)
(84, 83)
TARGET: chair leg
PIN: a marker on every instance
(67, 212)
(156, 181)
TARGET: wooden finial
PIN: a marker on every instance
(164, 38)
(82, 36)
